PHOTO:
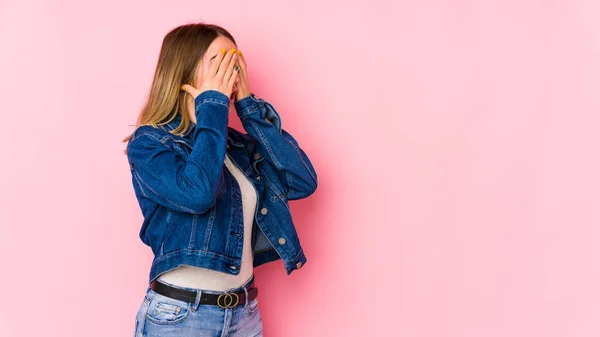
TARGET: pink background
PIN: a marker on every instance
(456, 144)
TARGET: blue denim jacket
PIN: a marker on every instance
(191, 203)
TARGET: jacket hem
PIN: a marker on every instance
(193, 258)
(218, 263)
(293, 265)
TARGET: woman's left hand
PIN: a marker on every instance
(243, 87)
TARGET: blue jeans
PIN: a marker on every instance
(164, 316)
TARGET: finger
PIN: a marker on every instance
(241, 61)
(214, 66)
(233, 78)
(189, 89)
(230, 68)
(225, 63)
(243, 66)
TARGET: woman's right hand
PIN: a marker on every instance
(221, 75)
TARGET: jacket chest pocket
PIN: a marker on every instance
(222, 182)
(275, 193)
(256, 161)
(267, 175)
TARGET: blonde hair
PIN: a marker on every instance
(180, 55)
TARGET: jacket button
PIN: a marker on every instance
(282, 241)
(263, 211)
(256, 155)
(298, 265)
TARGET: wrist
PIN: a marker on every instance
(241, 95)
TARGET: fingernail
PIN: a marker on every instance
(182, 87)
(232, 51)
(223, 51)
(239, 52)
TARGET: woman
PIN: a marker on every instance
(214, 200)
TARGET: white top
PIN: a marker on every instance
(208, 279)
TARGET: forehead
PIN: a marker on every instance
(219, 43)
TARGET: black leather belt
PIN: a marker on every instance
(223, 300)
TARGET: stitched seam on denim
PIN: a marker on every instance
(168, 224)
(297, 255)
(278, 193)
(209, 227)
(290, 182)
(280, 196)
(179, 252)
(168, 322)
(181, 141)
(192, 233)
(297, 148)
(231, 209)
(151, 135)
(267, 146)
(162, 140)
(248, 111)
(139, 184)
(211, 100)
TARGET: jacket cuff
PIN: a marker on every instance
(254, 108)
(247, 105)
(212, 96)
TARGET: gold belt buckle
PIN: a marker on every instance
(226, 300)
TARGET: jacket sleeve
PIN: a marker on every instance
(263, 123)
(172, 181)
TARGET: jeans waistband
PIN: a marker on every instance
(240, 288)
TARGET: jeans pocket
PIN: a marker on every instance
(165, 310)
(252, 305)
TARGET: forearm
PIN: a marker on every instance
(210, 137)
(186, 184)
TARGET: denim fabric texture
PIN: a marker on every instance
(163, 316)
(192, 205)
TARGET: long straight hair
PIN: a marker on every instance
(180, 55)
